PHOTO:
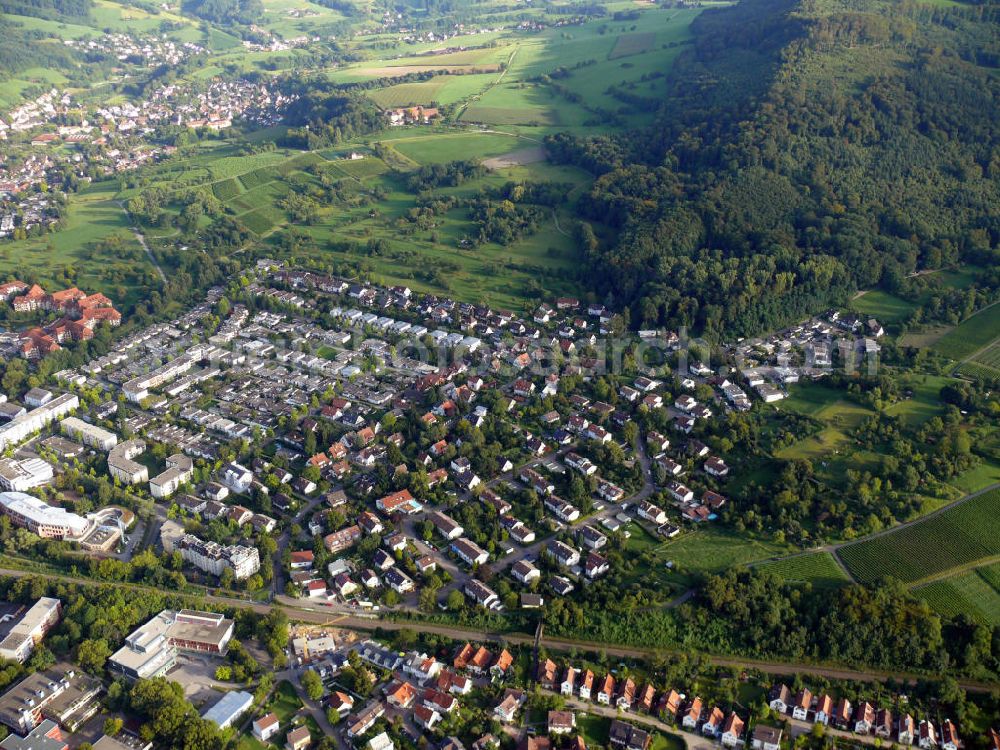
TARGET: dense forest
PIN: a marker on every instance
(53, 9)
(226, 11)
(23, 49)
(806, 148)
(754, 614)
(323, 115)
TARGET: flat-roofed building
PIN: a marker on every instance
(88, 434)
(207, 632)
(25, 424)
(151, 649)
(46, 736)
(38, 517)
(147, 652)
(123, 741)
(122, 467)
(137, 389)
(61, 694)
(29, 629)
(179, 470)
(212, 557)
(19, 475)
(229, 708)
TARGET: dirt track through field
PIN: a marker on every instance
(392, 71)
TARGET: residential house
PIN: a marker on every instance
(606, 690)
(692, 715)
(586, 685)
(626, 694)
(713, 722)
(864, 718)
(561, 722)
(802, 704)
(732, 730)
(906, 731)
(926, 735)
(949, 736)
(824, 710)
(765, 738)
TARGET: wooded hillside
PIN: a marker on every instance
(807, 148)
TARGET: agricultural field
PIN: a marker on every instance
(985, 365)
(971, 335)
(633, 44)
(974, 593)
(816, 568)
(523, 104)
(591, 57)
(953, 538)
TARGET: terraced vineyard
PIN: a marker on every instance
(970, 593)
(956, 537)
(985, 365)
(818, 568)
(977, 370)
(971, 335)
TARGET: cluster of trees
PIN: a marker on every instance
(503, 221)
(169, 718)
(322, 115)
(754, 614)
(243, 12)
(736, 223)
(21, 51)
(51, 9)
(449, 174)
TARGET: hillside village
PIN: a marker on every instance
(43, 151)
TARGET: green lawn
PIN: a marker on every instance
(829, 406)
(711, 549)
(285, 702)
(925, 401)
(887, 308)
(977, 478)
(816, 568)
(449, 146)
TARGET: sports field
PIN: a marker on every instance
(957, 537)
